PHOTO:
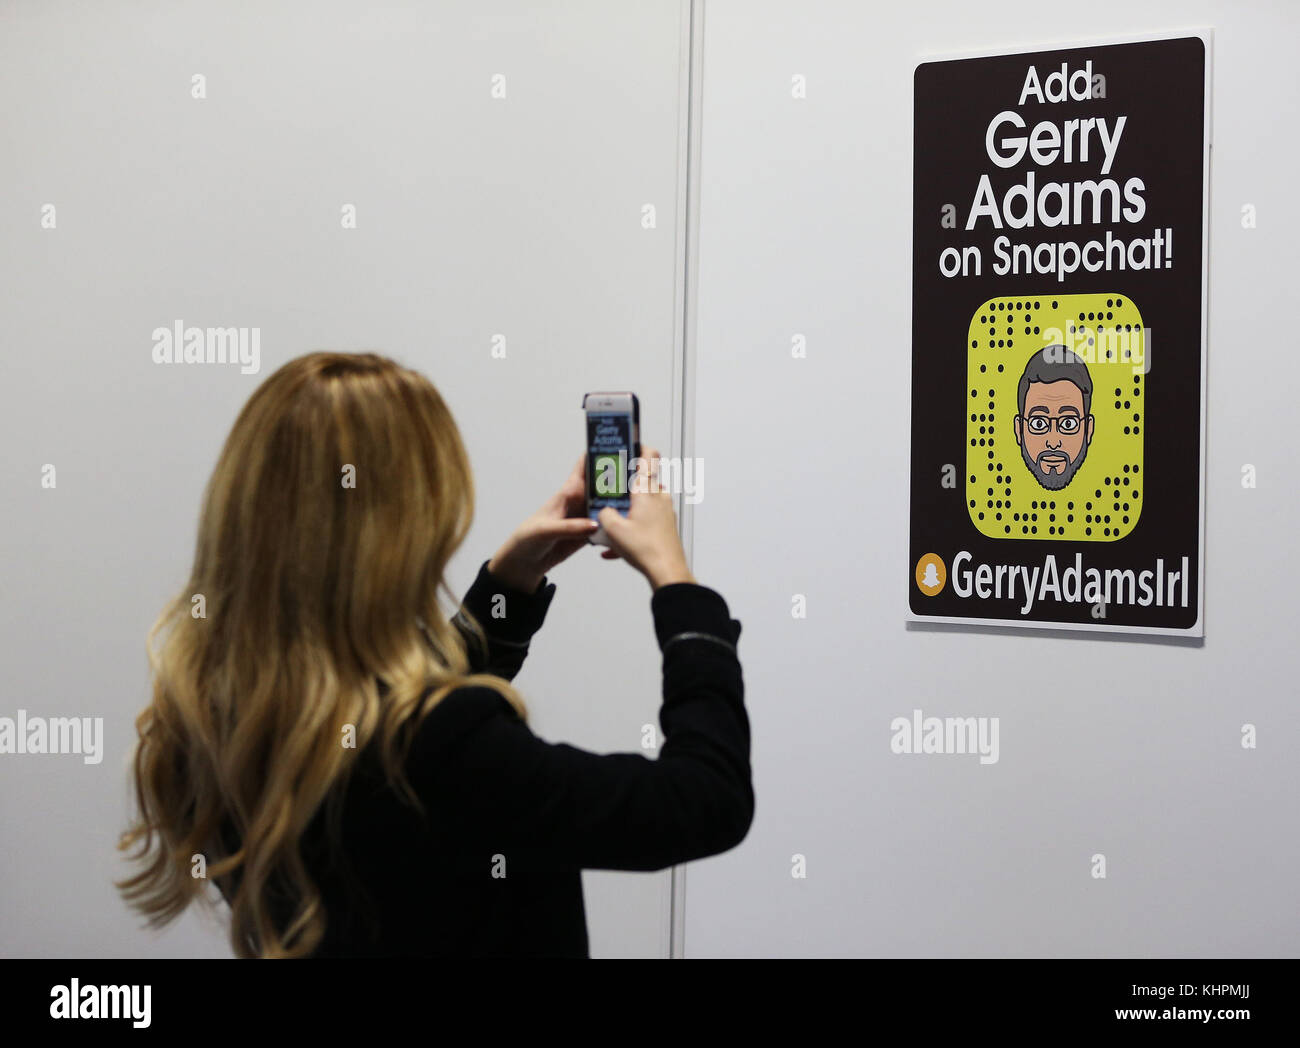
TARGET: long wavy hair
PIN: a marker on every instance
(311, 628)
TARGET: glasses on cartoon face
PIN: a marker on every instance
(1067, 425)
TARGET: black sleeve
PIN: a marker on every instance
(509, 617)
(495, 787)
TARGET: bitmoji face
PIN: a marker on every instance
(1060, 458)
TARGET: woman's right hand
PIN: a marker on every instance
(647, 537)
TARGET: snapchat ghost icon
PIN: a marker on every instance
(931, 574)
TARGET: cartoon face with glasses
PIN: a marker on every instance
(1054, 427)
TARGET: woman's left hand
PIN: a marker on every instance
(551, 535)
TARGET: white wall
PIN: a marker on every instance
(1109, 745)
(475, 217)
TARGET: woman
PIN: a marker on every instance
(352, 768)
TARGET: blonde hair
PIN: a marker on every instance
(322, 618)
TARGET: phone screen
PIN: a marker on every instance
(609, 461)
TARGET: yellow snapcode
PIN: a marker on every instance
(1080, 481)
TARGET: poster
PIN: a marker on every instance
(1059, 337)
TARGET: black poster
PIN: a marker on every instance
(1058, 337)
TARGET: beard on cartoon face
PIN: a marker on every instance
(1054, 468)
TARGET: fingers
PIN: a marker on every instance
(570, 500)
(610, 519)
(613, 522)
(647, 479)
(566, 527)
(577, 479)
(651, 459)
(566, 548)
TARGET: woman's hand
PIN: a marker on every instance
(647, 537)
(552, 534)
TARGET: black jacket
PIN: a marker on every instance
(493, 870)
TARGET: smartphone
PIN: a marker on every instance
(613, 446)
